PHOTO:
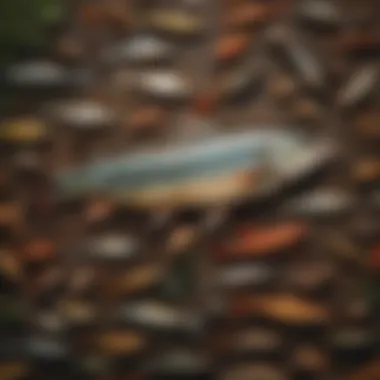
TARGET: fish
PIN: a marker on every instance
(256, 242)
(39, 250)
(241, 275)
(44, 347)
(138, 279)
(166, 85)
(253, 371)
(49, 321)
(255, 339)
(176, 23)
(178, 360)
(296, 57)
(157, 315)
(346, 338)
(23, 131)
(84, 115)
(111, 246)
(211, 171)
(77, 312)
(120, 343)
(286, 309)
(38, 74)
(320, 203)
(232, 46)
(320, 13)
(358, 87)
(141, 49)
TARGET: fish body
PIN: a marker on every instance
(165, 85)
(244, 275)
(359, 86)
(176, 23)
(320, 13)
(297, 57)
(82, 114)
(285, 309)
(37, 74)
(352, 338)
(112, 246)
(141, 49)
(159, 316)
(258, 242)
(45, 347)
(215, 171)
(320, 203)
(23, 131)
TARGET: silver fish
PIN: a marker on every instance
(47, 347)
(165, 84)
(178, 361)
(359, 86)
(253, 371)
(141, 49)
(208, 172)
(112, 246)
(49, 321)
(244, 275)
(352, 337)
(320, 203)
(38, 74)
(299, 58)
(82, 114)
(322, 13)
(161, 316)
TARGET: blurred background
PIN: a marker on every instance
(189, 189)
